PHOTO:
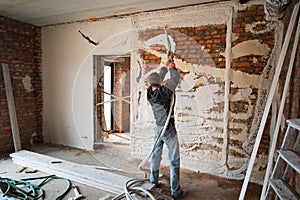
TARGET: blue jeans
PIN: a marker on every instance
(171, 140)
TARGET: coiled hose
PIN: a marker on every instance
(15, 188)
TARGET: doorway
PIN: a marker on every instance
(112, 99)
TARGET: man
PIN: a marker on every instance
(159, 97)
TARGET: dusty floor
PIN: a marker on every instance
(200, 186)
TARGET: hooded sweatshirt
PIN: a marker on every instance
(160, 99)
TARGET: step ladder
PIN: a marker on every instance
(288, 161)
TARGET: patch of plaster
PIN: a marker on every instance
(255, 60)
(259, 167)
(189, 81)
(184, 66)
(188, 17)
(138, 78)
(268, 27)
(207, 96)
(237, 168)
(27, 83)
(234, 36)
(238, 78)
(203, 155)
(243, 127)
(243, 94)
(250, 47)
(243, 80)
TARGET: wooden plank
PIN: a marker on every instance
(282, 190)
(269, 101)
(11, 107)
(85, 174)
(280, 112)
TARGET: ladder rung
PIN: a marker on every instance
(282, 190)
(295, 123)
(291, 158)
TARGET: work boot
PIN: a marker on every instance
(182, 194)
(157, 185)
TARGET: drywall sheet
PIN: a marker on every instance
(84, 174)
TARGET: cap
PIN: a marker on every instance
(154, 79)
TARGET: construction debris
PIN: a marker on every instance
(27, 170)
(21, 169)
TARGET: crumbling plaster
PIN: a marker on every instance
(68, 79)
(27, 83)
(196, 124)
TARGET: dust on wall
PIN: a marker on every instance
(225, 53)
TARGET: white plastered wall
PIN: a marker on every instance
(68, 76)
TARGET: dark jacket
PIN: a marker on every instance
(160, 98)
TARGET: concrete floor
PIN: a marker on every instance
(200, 186)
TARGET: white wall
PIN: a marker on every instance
(68, 77)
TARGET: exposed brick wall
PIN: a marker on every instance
(99, 98)
(251, 64)
(126, 93)
(20, 48)
(189, 41)
(243, 18)
(121, 110)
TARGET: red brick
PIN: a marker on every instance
(18, 50)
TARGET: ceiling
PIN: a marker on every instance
(46, 12)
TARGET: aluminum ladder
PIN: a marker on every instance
(288, 161)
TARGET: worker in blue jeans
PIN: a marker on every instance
(159, 97)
